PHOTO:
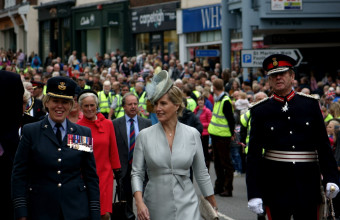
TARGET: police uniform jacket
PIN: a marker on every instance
(51, 180)
(299, 127)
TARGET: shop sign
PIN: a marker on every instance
(205, 18)
(207, 53)
(24, 9)
(9, 3)
(282, 5)
(154, 18)
(87, 20)
(113, 19)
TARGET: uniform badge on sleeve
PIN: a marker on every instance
(81, 143)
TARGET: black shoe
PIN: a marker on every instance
(217, 191)
(226, 194)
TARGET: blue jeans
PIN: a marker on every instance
(236, 156)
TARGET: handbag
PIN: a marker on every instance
(120, 209)
(206, 210)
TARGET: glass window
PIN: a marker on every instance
(45, 38)
(114, 40)
(202, 37)
(171, 43)
(142, 43)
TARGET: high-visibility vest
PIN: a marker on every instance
(219, 125)
(119, 110)
(104, 102)
(133, 90)
(87, 87)
(191, 105)
(328, 118)
(196, 93)
(44, 90)
(245, 121)
(142, 105)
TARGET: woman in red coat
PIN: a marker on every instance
(204, 115)
(104, 148)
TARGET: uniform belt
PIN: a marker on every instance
(291, 156)
(179, 174)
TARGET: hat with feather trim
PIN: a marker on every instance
(159, 86)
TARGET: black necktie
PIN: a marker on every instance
(58, 134)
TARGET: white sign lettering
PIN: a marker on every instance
(211, 17)
(156, 18)
(87, 20)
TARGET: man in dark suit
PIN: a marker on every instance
(122, 127)
(12, 92)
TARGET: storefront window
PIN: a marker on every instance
(171, 42)
(45, 38)
(114, 39)
(93, 42)
(202, 37)
(66, 38)
(142, 43)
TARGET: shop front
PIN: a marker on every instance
(101, 28)
(154, 29)
(202, 37)
(201, 32)
(55, 28)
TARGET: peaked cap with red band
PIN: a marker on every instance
(278, 63)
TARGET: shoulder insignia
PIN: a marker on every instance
(309, 96)
(259, 102)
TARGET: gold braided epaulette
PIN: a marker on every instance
(309, 96)
(259, 102)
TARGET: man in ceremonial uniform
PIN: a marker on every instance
(290, 128)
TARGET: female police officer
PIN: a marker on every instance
(54, 174)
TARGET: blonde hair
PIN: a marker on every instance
(47, 99)
(176, 97)
(243, 95)
(26, 96)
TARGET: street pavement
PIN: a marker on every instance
(232, 208)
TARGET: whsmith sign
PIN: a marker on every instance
(254, 58)
(155, 18)
(202, 18)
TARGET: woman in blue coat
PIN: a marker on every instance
(54, 174)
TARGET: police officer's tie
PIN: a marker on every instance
(58, 133)
(132, 140)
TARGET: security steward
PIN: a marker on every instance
(105, 99)
(221, 130)
(290, 127)
(54, 173)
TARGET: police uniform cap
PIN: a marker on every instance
(61, 87)
(278, 63)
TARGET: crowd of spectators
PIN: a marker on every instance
(194, 77)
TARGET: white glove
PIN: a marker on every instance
(331, 194)
(255, 205)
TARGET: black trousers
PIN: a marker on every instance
(301, 212)
(222, 161)
(6, 207)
